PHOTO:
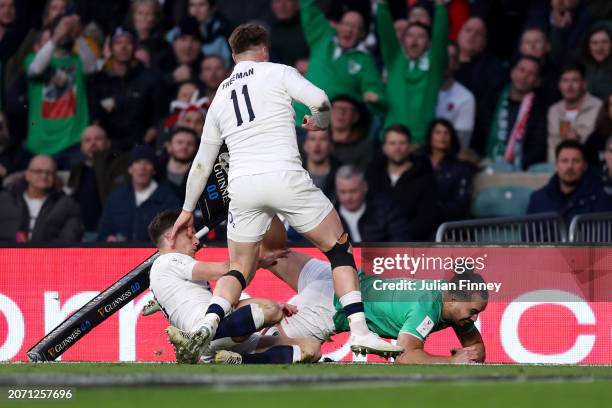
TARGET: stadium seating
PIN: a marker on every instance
(501, 201)
(535, 228)
(591, 228)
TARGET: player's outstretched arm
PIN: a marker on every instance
(415, 354)
(303, 91)
(473, 340)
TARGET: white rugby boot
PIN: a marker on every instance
(371, 343)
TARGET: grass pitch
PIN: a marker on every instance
(313, 386)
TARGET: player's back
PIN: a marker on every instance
(253, 112)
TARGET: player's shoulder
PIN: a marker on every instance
(172, 259)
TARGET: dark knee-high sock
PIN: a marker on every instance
(274, 355)
(246, 320)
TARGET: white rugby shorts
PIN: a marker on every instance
(255, 199)
(315, 304)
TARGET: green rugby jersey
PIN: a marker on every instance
(391, 312)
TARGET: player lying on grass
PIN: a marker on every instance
(180, 286)
(407, 317)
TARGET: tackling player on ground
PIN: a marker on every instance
(252, 114)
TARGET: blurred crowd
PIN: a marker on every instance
(102, 105)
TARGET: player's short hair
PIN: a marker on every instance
(161, 223)
(247, 36)
(467, 294)
(573, 67)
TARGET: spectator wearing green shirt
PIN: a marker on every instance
(339, 63)
(57, 110)
(415, 68)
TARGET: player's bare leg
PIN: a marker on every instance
(243, 263)
(329, 237)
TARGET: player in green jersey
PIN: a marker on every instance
(409, 316)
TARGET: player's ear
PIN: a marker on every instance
(234, 58)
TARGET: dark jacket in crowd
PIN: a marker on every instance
(138, 104)
(381, 222)
(288, 43)
(483, 75)
(454, 189)
(588, 197)
(14, 158)
(329, 184)
(120, 215)
(92, 184)
(59, 220)
(414, 194)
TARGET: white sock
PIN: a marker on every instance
(358, 325)
(297, 354)
(258, 316)
(221, 301)
(357, 321)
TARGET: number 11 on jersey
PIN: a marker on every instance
(234, 96)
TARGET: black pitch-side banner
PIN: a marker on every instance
(213, 203)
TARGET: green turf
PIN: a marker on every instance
(594, 390)
(313, 369)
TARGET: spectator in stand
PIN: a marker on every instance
(573, 117)
(213, 29)
(419, 13)
(125, 95)
(181, 149)
(533, 43)
(574, 188)
(515, 124)
(13, 157)
(367, 218)
(13, 29)
(186, 47)
(348, 132)
(597, 59)
(597, 141)
(212, 73)
(38, 212)
(479, 71)
(145, 18)
(408, 179)
(93, 178)
(129, 209)
(455, 102)
(569, 22)
(288, 43)
(415, 69)
(606, 168)
(57, 109)
(339, 64)
(319, 162)
(453, 176)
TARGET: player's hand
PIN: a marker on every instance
(288, 309)
(466, 355)
(184, 220)
(269, 258)
(309, 123)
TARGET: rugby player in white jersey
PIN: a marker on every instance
(252, 114)
(180, 286)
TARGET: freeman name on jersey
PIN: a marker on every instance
(238, 75)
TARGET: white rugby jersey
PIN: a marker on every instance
(253, 115)
(184, 301)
